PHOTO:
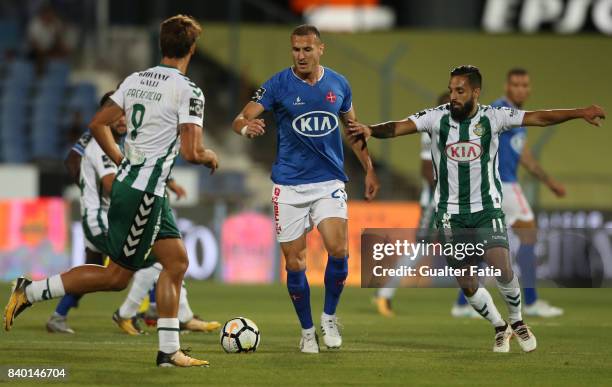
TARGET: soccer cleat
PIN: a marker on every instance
(331, 334)
(179, 358)
(58, 324)
(384, 306)
(502, 338)
(17, 303)
(524, 336)
(127, 325)
(309, 343)
(196, 324)
(464, 311)
(541, 308)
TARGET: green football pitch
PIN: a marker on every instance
(422, 346)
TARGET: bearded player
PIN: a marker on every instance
(309, 101)
(514, 151)
(465, 139)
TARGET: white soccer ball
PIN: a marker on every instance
(240, 335)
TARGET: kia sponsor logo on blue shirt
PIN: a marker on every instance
(315, 124)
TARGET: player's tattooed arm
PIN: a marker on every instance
(383, 130)
(108, 113)
(246, 122)
(592, 114)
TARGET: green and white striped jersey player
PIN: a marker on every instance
(468, 194)
(164, 112)
(464, 156)
(155, 101)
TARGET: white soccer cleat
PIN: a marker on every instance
(464, 311)
(524, 336)
(502, 339)
(331, 334)
(58, 324)
(541, 308)
(309, 343)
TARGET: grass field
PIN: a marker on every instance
(422, 346)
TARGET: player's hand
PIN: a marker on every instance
(178, 190)
(557, 188)
(594, 114)
(255, 127)
(371, 185)
(212, 161)
(356, 129)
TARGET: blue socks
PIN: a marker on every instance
(526, 260)
(336, 272)
(461, 300)
(67, 302)
(299, 291)
(152, 294)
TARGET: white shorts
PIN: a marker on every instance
(297, 208)
(514, 205)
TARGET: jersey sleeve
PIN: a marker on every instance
(347, 102)
(425, 119)
(191, 105)
(102, 164)
(425, 146)
(265, 95)
(118, 96)
(81, 144)
(507, 118)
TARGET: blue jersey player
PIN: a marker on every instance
(309, 101)
(513, 151)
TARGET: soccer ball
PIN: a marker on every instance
(240, 335)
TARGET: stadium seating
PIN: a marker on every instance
(36, 110)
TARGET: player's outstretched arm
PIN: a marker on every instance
(382, 130)
(359, 147)
(246, 122)
(192, 147)
(592, 114)
(101, 131)
(529, 162)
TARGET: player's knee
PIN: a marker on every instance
(178, 266)
(295, 263)
(338, 250)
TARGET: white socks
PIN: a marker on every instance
(511, 292)
(46, 289)
(144, 279)
(185, 314)
(482, 302)
(386, 293)
(168, 332)
(309, 332)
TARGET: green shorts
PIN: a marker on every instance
(136, 219)
(486, 227)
